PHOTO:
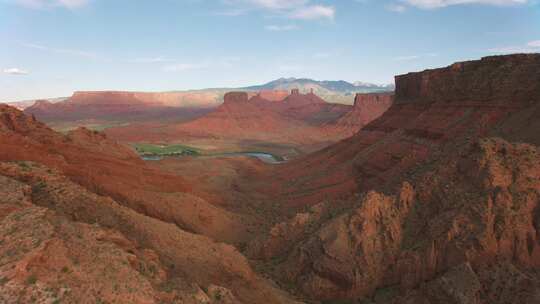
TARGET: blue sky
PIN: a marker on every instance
(54, 47)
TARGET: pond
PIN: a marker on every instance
(265, 157)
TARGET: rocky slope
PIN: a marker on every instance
(478, 208)
(93, 222)
(106, 167)
(429, 205)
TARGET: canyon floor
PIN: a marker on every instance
(429, 195)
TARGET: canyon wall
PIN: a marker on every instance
(505, 80)
(367, 107)
(434, 193)
(235, 97)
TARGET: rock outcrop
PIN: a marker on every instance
(479, 207)
(367, 107)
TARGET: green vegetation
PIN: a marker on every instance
(165, 150)
(158, 151)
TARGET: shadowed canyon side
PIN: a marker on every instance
(425, 204)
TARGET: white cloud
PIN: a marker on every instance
(277, 4)
(15, 71)
(530, 47)
(61, 51)
(433, 4)
(314, 12)
(281, 28)
(38, 4)
(150, 60)
(295, 9)
(534, 44)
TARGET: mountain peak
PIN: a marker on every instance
(324, 86)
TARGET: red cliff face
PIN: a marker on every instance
(463, 204)
(235, 97)
(273, 95)
(505, 80)
(367, 107)
(378, 100)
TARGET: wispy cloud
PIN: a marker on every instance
(312, 12)
(61, 50)
(271, 4)
(401, 5)
(293, 9)
(15, 71)
(534, 44)
(281, 28)
(530, 47)
(39, 4)
(158, 59)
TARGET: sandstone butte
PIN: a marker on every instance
(268, 116)
(436, 201)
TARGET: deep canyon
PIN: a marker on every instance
(429, 194)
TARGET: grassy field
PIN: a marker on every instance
(165, 150)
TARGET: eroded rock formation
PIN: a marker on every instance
(479, 207)
(442, 196)
(367, 107)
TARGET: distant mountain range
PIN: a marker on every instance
(324, 87)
